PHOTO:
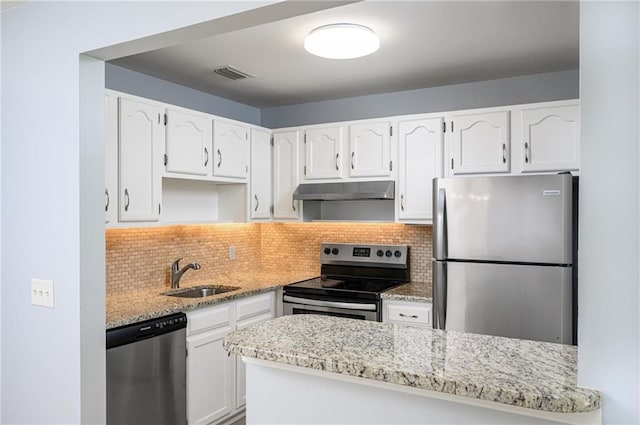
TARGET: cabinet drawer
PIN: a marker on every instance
(210, 318)
(417, 313)
(254, 305)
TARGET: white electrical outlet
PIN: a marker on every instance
(42, 292)
(232, 252)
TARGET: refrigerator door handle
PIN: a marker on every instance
(441, 225)
(439, 295)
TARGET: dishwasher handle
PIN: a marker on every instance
(139, 331)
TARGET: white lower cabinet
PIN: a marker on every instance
(407, 312)
(215, 380)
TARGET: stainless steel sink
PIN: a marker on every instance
(200, 291)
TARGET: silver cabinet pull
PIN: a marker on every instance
(337, 161)
(106, 193)
(353, 154)
(257, 202)
(219, 158)
(504, 153)
(126, 199)
(293, 205)
(413, 316)
(527, 152)
(206, 152)
(402, 201)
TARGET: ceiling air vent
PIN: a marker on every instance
(232, 73)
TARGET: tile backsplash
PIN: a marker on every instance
(140, 258)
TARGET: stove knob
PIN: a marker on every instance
(388, 253)
(335, 251)
(380, 253)
(327, 251)
(397, 254)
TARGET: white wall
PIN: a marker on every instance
(609, 206)
(52, 175)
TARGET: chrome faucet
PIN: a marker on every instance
(177, 272)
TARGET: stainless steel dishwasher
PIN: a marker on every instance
(146, 372)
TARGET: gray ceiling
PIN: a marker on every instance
(423, 44)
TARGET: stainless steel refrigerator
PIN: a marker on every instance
(505, 256)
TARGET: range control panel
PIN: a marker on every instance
(332, 253)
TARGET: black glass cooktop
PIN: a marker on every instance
(347, 288)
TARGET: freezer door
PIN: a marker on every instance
(516, 301)
(509, 218)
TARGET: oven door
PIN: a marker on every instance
(351, 310)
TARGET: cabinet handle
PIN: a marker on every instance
(413, 316)
(257, 202)
(106, 193)
(126, 199)
(527, 154)
(337, 161)
(206, 152)
(353, 154)
(293, 205)
(504, 153)
(402, 201)
(219, 158)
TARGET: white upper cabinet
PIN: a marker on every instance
(550, 138)
(285, 175)
(140, 137)
(260, 193)
(188, 143)
(481, 143)
(323, 147)
(421, 156)
(370, 150)
(111, 158)
(231, 150)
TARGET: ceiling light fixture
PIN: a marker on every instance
(341, 41)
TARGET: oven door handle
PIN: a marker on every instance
(319, 303)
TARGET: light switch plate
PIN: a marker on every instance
(42, 292)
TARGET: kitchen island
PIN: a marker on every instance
(336, 370)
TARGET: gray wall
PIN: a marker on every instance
(125, 80)
(507, 91)
(609, 214)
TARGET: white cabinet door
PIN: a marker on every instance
(421, 147)
(241, 374)
(111, 158)
(188, 143)
(230, 145)
(322, 153)
(209, 384)
(551, 138)
(141, 134)
(370, 153)
(481, 143)
(407, 312)
(285, 175)
(260, 202)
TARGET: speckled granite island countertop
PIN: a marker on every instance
(135, 306)
(412, 291)
(527, 374)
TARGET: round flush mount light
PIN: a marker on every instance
(341, 41)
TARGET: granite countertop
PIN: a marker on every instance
(530, 374)
(135, 306)
(412, 291)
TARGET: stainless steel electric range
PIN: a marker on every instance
(352, 278)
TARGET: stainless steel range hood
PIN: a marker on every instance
(345, 191)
